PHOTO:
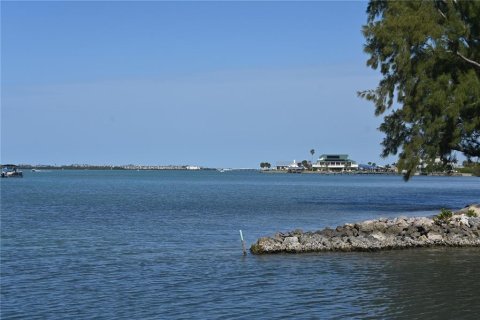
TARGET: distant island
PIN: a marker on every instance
(110, 167)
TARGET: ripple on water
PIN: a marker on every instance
(138, 245)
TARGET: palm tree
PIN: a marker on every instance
(312, 152)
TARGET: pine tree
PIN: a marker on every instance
(428, 53)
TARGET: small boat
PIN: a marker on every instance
(10, 171)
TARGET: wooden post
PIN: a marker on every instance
(243, 243)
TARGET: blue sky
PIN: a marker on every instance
(220, 84)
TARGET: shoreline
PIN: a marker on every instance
(453, 229)
(329, 172)
(365, 173)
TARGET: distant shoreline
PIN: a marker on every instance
(329, 173)
(119, 168)
(198, 168)
(364, 173)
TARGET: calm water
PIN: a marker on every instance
(163, 245)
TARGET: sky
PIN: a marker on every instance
(215, 84)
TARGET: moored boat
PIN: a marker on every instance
(10, 171)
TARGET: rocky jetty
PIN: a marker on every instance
(461, 228)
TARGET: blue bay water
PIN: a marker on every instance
(165, 245)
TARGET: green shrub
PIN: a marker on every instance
(476, 171)
(471, 213)
(472, 168)
(444, 216)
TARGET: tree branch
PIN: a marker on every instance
(471, 151)
(475, 63)
(443, 15)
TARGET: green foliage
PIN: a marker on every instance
(471, 213)
(473, 169)
(434, 167)
(428, 53)
(476, 171)
(444, 216)
(306, 164)
(265, 165)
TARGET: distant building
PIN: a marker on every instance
(289, 166)
(335, 162)
(192, 168)
(282, 165)
(295, 167)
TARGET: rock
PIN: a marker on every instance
(379, 226)
(346, 231)
(415, 235)
(291, 244)
(378, 236)
(411, 230)
(366, 226)
(328, 232)
(423, 222)
(290, 240)
(401, 232)
(434, 236)
(422, 238)
(297, 232)
(463, 219)
(474, 223)
(279, 236)
(394, 229)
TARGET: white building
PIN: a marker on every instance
(335, 162)
(289, 166)
(295, 167)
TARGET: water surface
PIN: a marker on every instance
(150, 245)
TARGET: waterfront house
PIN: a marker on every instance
(282, 165)
(295, 167)
(335, 162)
